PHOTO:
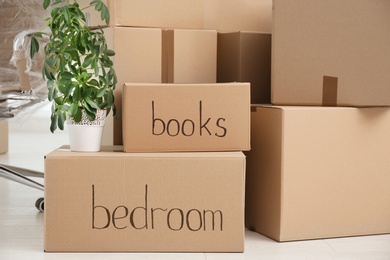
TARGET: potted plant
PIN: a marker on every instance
(78, 70)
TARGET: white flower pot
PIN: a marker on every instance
(86, 136)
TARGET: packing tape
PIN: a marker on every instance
(329, 91)
(167, 59)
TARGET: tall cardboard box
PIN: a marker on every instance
(118, 202)
(333, 53)
(186, 117)
(318, 172)
(246, 57)
(153, 55)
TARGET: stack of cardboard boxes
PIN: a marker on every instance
(177, 181)
(319, 164)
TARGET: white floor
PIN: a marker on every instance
(21, 226)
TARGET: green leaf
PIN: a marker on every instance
(84, 41)
(92, 103)
(51, 62)
(67, 75)
(110, 52)
(85, 76)
(71, 49)
(109, 97)
(113, 109)
(67, 15)
(76, 94)
(73, 69)
(47, 73)
(73, 110)
(101, 92)
(58, 100)
(52, 91)
(88, 60)
(61, 120)
(54, 119)
(103, 105)
(86, 93)
(78, 116)
(98, 6)
(93, 82)
(63, 89)
(96, 69)
(105, 14)
(64, 82)
(34, 47)
(46, 4)
(65, 108)
(90, 115)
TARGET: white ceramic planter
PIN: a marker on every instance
(86, 136)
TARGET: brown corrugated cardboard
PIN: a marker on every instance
(246, 57)
(318, 172)
(186, 14)
(248, 15)
(114, 202)
(189, 56)
(138, 58)
(151, 55)
(331, 53)
(186, 117)
(238, 15)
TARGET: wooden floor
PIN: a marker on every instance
(21, 225)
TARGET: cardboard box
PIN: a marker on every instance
(185, 14)
(189, 56)
(151, 55)
(318, 172)
(238, 15)
(186, 117)
(114, 202)
(246, 57)
(249, 15)
(138, 58)
(330, 53)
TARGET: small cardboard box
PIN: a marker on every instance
(332, 53)
(318, 172)
(186, 117)
(153, 55)
(112, 201)
(246, 57)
